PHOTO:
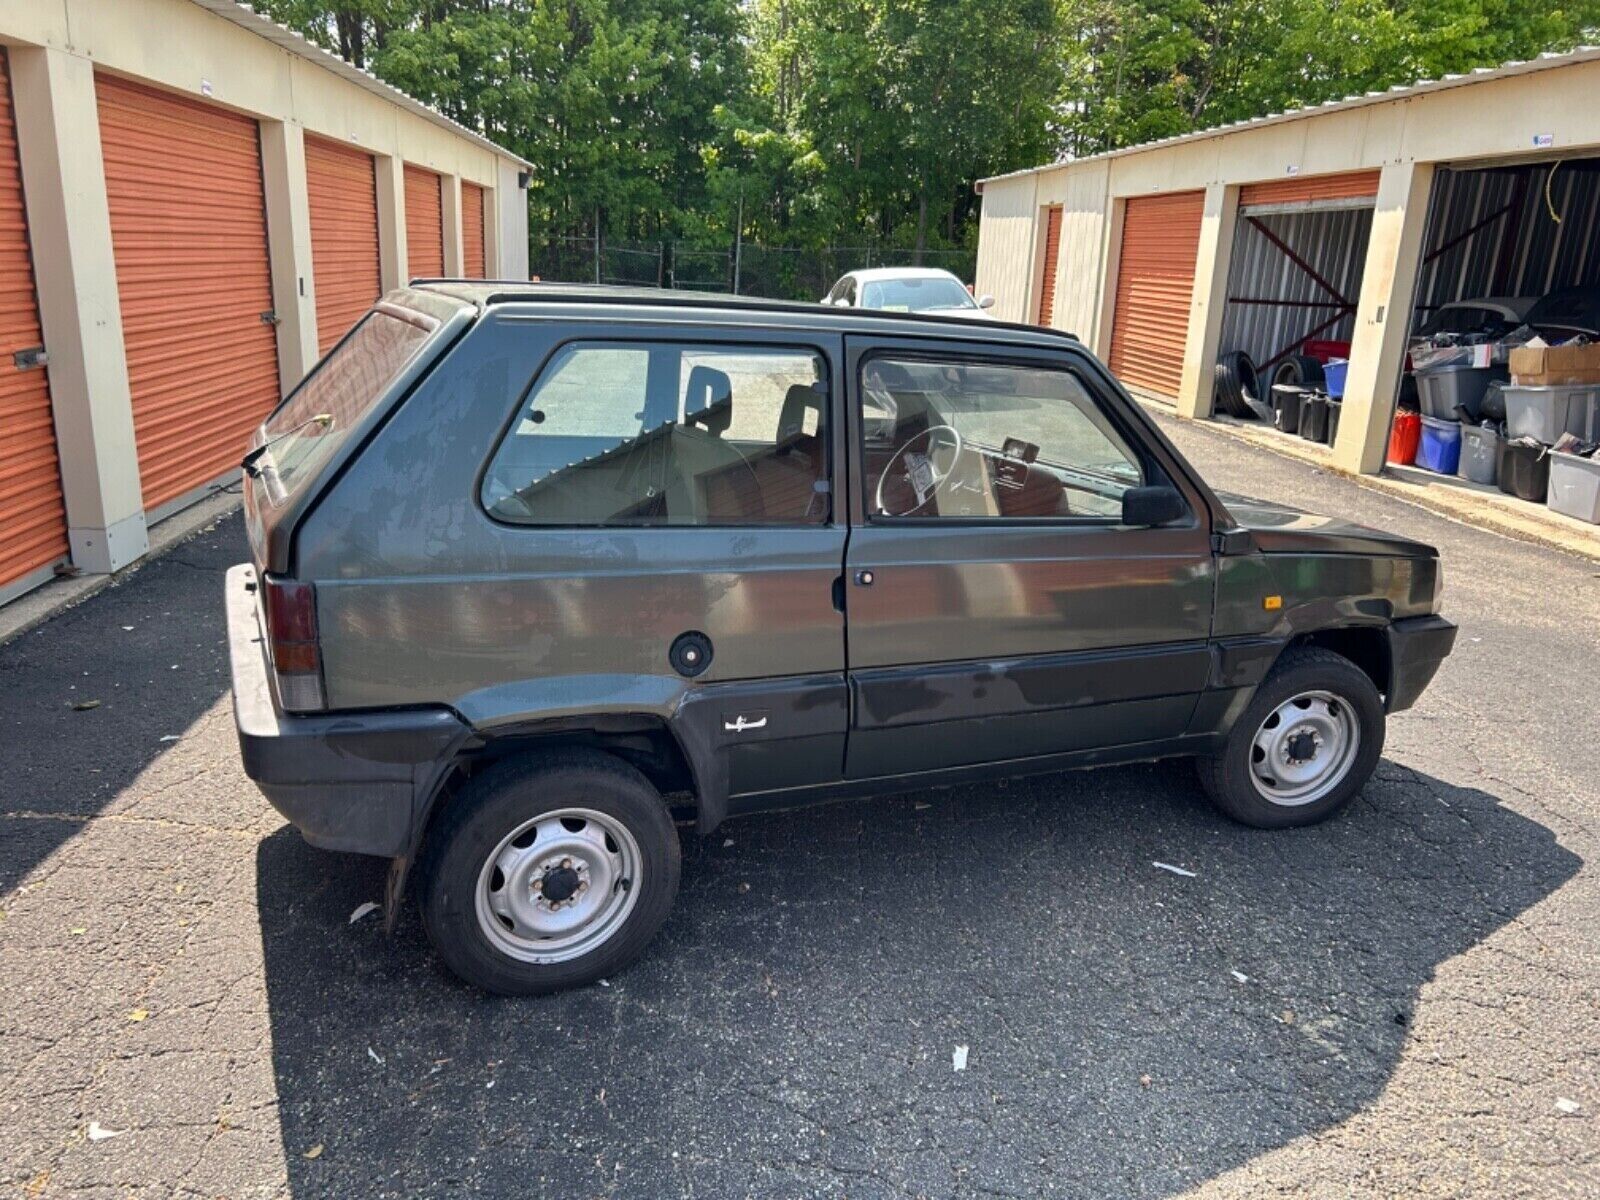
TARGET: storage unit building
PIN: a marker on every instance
(1346, 223)
(217, 207)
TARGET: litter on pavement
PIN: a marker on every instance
(362, 910)
(959, 1058)
(1161, 866)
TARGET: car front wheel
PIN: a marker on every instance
(549, 872)
(1307, 743)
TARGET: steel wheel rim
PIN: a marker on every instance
(1304, 748)
(558, 886)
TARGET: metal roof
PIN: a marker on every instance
(287, 39)
(1544, 62)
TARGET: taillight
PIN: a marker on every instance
(291, 608)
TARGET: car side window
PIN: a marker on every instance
(993, 441)
(667, 434)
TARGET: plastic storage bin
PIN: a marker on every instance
(1314, 417)
(1335, 407)
(1443, 390)
(1286, 398)
(1404, 435)
(1439, 450)
(1480, 453)
(1546, 413)
(1524, 470)
(1333, 373)
(1575, 486)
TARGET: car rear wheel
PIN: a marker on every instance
(548, 872)
(1307, 743)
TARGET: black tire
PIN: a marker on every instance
(1299, 369)
(490, 807)
(1236, 385)
(1228, 778)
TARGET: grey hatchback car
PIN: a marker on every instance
(540, 572)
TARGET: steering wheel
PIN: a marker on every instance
(919, 478)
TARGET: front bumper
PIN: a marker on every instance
(1417, 645)
(354, 781)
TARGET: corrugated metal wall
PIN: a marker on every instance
(189, 235)
(33, 517)
(1155, 285)
(1332, 242)
(424, 224)
(474, 262)
(342, 191)
(1522, 253)
(1006, 239)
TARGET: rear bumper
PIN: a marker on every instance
(1417, 645)
(347, 781)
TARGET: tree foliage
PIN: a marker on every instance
(816, 121)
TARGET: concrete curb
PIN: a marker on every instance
(1470, 504)
(38, 606)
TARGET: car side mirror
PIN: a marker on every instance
(1146, 507)
(842, 302)
(986, 301)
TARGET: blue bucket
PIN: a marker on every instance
(1333, 372)
(1440, 448)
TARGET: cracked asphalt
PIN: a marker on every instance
(1389, 1004)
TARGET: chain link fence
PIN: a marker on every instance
(776, 272)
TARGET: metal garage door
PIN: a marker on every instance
(474, 264)
(33, 518)
(189, 235)
(424, 224)
(1155, 283)
(1052, 257)
(1352, 186)
(343, 191)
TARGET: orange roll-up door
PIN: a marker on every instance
(1155, 284)
(424, 224)
(1352, 185)
(343, 190)
(189, 235)
(474, 263)
(1052, 256)
(33, 517)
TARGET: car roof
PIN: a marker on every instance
(872, 274)
(713, 308)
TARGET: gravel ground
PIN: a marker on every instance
(1392, 1003)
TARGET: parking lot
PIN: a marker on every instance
(1392, 1003)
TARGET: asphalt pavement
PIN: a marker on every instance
(1400, 1002)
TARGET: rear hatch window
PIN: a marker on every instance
(302, 435)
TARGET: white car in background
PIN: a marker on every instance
(908, 289)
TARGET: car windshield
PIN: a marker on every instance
(914, 294)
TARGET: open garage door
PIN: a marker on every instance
(474, 261)
(1155, 284)
(189, 235)
(343, 190)
(424, 224)
(33, 517)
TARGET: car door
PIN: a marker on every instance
(997, 607)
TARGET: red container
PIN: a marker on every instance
(1404, 436)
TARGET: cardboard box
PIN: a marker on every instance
(1546, 366)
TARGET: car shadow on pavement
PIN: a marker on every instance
(1130, 1031)
(102, 693)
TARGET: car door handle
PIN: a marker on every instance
(864, 578)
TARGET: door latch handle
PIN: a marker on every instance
(864, 578)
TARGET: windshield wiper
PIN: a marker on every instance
(248, 463)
